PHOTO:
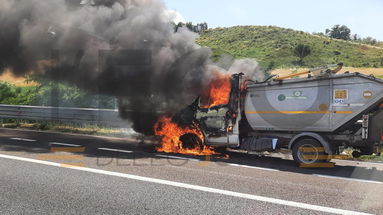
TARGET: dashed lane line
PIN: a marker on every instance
(64, 144)
(176, 157)
(23, 139)
(115, 150)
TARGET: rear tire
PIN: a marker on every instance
(309, 153)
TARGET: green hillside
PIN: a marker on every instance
(274, 46)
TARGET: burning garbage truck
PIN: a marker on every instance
(131, 50)
(315, 116)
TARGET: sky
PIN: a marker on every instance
(363, 17)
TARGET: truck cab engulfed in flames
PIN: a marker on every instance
(220, 123)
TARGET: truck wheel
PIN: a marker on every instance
(191, 141)
(309, 152)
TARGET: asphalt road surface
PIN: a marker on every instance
(52, 173)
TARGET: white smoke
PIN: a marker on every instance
(174, 16)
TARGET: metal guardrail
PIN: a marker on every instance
(73, 115)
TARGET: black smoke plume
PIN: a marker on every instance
(124, 48)
(119, 47)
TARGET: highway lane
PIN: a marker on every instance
(353, 186)
(64, 191)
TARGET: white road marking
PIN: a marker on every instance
(23, 139)
(349, 179)
(193, 187)
(64, 144)
(115, 150)
(175, 157)
(253, 167)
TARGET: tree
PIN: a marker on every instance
(301, 51)
(190, 26)
(177, 26)
(195, 28)
(339, 32)
(202, 27)
(319, 33)
(370, 40)
(356, 37)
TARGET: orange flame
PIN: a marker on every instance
(218, 92)
(171, 133)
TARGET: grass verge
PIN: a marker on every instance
(370, 158)
(375, 158)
